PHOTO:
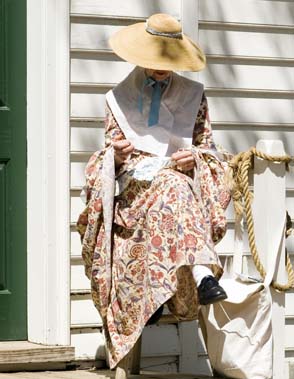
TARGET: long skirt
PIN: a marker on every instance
(160, 230)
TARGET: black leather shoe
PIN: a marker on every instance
(210, 291)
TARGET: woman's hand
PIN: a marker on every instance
(184, 160)
(122, 150)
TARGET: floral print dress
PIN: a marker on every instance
(160, 229)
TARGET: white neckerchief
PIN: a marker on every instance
(178, 111)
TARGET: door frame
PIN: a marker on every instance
(13, 255)
(48, 221)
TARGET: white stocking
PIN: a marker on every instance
(199, 272)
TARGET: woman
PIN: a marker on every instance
(155, 193)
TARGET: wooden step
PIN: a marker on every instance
(97, 374)
(24, 352)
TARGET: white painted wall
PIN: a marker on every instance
(250, 47)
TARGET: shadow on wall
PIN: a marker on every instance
(250, 110)
(221, 109)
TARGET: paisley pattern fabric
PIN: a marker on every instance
(159, 229)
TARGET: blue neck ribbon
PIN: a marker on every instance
(158, 87)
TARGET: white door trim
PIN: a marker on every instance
(48, 171)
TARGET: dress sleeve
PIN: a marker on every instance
(202, 133)
(112, 130)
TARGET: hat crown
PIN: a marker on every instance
(164, 23)
(158, 43)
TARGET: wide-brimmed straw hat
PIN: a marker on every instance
(158, 44)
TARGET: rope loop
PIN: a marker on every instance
(238, 181)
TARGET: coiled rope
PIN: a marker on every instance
(238, 179)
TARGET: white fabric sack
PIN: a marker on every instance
(238, 330)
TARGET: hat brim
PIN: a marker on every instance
(135, 45)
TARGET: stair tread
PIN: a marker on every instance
(98, 374)
(24, 352)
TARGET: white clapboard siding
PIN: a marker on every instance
(87, 139)
(89, 316)
(75, 244)
(88, 342)
(87, 105)
(240, 76)
(249, 11)
(98, 72)
(130, 8)
(216, 75)
(242, 43)
(249, 110)
(78, 278)
(290, 312)
(249, 82)
(233, 42)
